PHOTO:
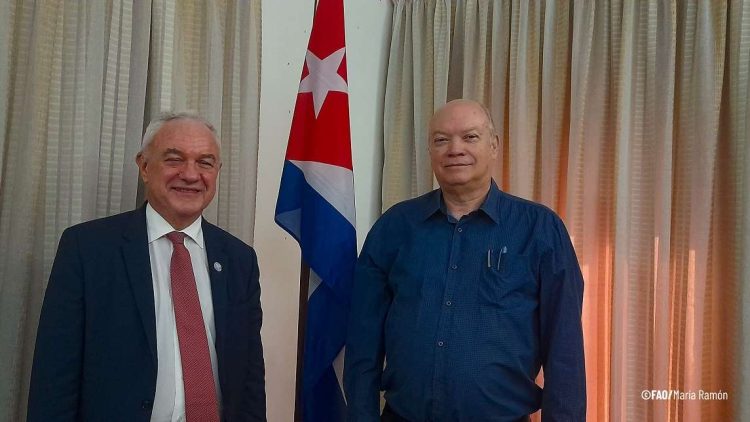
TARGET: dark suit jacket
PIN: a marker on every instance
(95, 357)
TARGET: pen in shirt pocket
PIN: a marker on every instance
(501, 257)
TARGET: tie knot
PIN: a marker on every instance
(177, 238)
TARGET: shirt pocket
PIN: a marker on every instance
(507, 286)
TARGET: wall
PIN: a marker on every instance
(286, 28)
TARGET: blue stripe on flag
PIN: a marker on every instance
(328, 241)
(325, 336)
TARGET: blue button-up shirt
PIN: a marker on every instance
(465, 313)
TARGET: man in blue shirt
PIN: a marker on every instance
(465, 293)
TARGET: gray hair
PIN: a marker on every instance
(167, 116)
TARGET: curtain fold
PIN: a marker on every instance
(630, 119)
(736, 189)
(78, 82)
(589, 186)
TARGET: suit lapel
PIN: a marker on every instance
(217, 272)
(138, 264)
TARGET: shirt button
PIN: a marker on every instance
(441, 343)
(454, 267)
(448, 303)
(460, 229)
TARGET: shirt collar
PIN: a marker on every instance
(432, 204)
(157, 227)
(490, 206)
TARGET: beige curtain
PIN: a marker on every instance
(630, 119)
(78, 81)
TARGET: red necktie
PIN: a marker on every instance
(197, 377)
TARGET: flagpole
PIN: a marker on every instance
(304, 287)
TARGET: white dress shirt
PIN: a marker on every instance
(169, 403)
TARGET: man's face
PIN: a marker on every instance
(462, 146)
(179, 169)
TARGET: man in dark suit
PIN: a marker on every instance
(154, 314)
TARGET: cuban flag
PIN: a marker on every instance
(316, 206)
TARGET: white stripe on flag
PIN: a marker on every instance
(335, 184)
(338, 368)
(314, 283)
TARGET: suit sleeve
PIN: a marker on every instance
(564, 394)
(365, 349)
(255, 387)
(56, 373)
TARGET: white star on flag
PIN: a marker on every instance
(323, 77)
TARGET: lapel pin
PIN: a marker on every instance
(217, 266)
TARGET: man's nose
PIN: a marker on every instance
(190, 172)
(455, 147)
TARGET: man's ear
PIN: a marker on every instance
(140, 160)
